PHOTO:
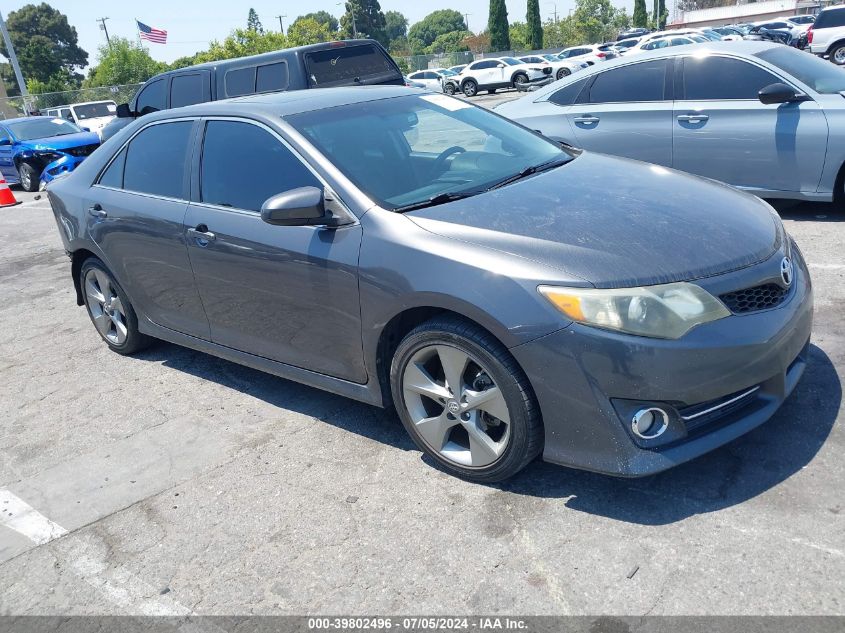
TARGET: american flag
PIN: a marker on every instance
(150, 34)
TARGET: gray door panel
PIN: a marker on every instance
(142, 239)
(287, 293)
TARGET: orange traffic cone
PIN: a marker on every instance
(7, 198)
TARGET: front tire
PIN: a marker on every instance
(465, 401)
(449, 89)
(110, 310)
(837, 55)
(519, 79)
(470, 88)
(563, 72)
(29, 177)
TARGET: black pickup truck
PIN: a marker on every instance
(325, 65)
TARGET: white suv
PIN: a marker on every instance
(502, 72)
(827, 35)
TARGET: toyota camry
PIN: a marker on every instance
(510, 297)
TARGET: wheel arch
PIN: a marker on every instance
(519, 73)
(77, 259)
(403, 322)
(835, 44)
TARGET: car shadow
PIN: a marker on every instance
(737, 472)
(809, 211)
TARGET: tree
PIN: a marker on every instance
(520, 37)
(124, 62)
(640, 14)
(423, 33)
(660, 14)
(308, 31)
(243, 42)
(596, 21)
(497, 25)
(253, 23)
(46, 45)
(535, 25)
(323, 17)
(479, 43)
(396, 25)
(452, 42)
(368, 20)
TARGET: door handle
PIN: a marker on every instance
(98, 212)
(693, 118)
(587, 119)
(202, 235)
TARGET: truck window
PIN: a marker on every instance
(187, 90)
(349, 65)
(240, 82)
(271, 77)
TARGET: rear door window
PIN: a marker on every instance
(113, 176)
(240, 82)
(271, 77)
(638, 82)
(156, 160)
(188, 90)
(349, 65)
(568, 94)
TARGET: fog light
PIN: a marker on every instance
(649, 423)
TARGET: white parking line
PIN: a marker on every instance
(19, 516)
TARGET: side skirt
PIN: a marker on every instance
(363, 393)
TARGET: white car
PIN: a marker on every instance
(91, 115)
(826, 37)
(587, 53)
(431, 79)
(560, 67)
(666, 41)
(498, 72)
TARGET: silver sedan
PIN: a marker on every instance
(763, 117)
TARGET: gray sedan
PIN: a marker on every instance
(507, 296)
(760, 116)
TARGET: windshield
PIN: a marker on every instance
(820, 75)
(94, 110)
(410, 149)
(447, 73)
(511, 61)
(41, 127)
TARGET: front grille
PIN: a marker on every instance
(82, 150)
(706, 413)
(754, 299)
(547, 70)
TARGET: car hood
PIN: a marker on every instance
(615, 223)
(63, 142)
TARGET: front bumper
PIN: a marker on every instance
(589, 382)
(63, 165)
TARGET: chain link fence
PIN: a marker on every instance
(11, 107)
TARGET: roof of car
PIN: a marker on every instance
(23, 118)
(292, 102)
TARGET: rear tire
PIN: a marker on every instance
(837, 54)
(110, 309)
(465, 401)
(29, 177)
(563, 72)
(470, 88)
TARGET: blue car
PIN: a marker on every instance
(37, 149)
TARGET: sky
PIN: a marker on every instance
(190, 25)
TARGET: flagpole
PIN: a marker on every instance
(138, 33)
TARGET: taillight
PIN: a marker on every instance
(810, 35)
(600, 55)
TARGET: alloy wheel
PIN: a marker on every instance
(455, 406)
(107, 310)
(839, 55)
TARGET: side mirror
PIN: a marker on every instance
(123, 111)
(298, 207)
(5, 141)
(779, 93)
(500, 66)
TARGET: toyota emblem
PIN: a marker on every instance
(787, 271)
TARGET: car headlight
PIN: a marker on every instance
(667, 311)
(48, 155)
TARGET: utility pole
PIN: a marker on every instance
(554, 4)
(466, 20)
(102, 22)
(281, 26)
(14, 61)
(352, 13)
